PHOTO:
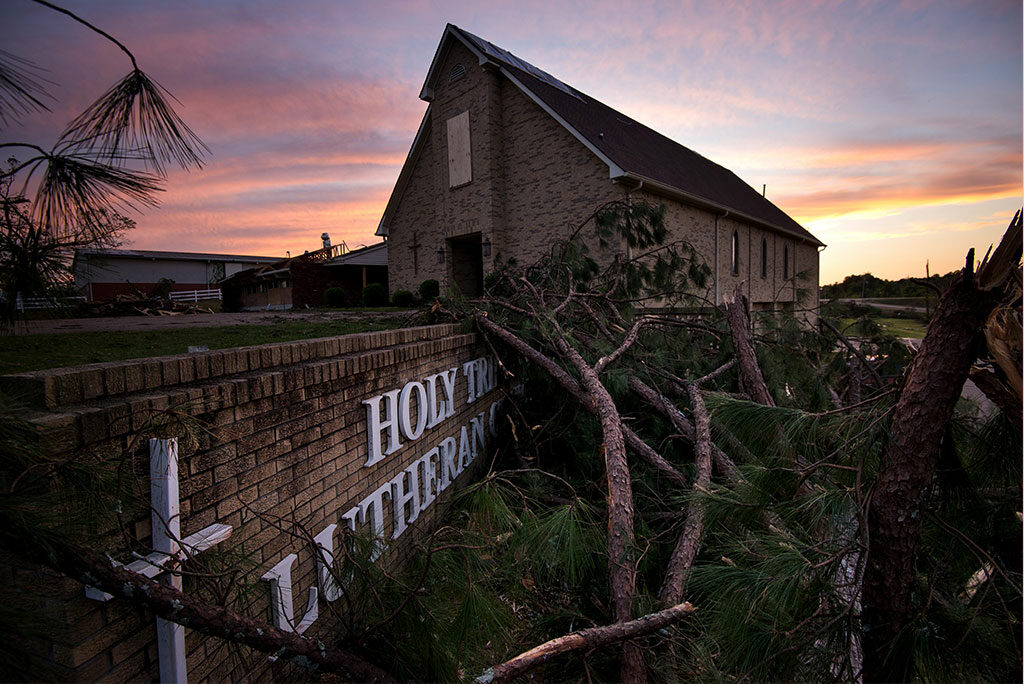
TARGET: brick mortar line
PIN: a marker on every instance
(58, 388)
(130, 411)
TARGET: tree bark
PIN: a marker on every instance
(621, 567)
(933, 383)
(681, 561)
(665, 407)
(585, 638)
(633, 441)
(595, 398)
(751, 379)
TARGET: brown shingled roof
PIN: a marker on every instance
(637, 150)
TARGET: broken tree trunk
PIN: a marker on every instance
(585, 638)
(931, 388)
(751, 379)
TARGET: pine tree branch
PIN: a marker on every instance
(569, 384)
(662, 405)
(96, 29)
(853, 349)
(595, 398)
(621, 565)
(592, 638)
(94, 569)
(685, 551)
(630, 338)
(715, 373)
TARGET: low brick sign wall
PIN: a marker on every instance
(367, 431)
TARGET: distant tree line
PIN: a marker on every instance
(867, 285)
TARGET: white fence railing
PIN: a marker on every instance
(195, 295)
(28, 303)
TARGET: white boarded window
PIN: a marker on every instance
(460, 165)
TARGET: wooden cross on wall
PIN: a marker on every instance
(168, 552)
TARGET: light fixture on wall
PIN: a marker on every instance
(440, 254)
(486, 246)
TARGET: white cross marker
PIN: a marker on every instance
(167, 550)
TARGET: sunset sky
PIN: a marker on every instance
(891, 130)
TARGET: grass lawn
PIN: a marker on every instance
(22, 353)
(897, 327)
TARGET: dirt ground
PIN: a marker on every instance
(75, 325)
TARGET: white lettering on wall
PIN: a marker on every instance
(449, 465)
(409, 412)
(465, 449)
(376, 424)
(371, 510)
(280, 578)
(435, 413)
(469, 370)
(405, 410)
(428, 479)
(329, 588)
(476, 426)
(405, 493)
(448, 379)
(492, 417)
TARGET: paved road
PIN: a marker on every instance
(883, 307)
(73, 325)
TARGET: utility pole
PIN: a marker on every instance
(927, 297)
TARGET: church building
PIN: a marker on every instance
(508, 159)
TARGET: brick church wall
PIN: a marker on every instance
(288, 437)
(534, 182)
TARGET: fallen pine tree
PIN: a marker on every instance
(680, 496)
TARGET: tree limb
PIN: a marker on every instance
(685, 551)
(585, 638)
(631, 336)
(665, 407)
(853, 349)
(621, 568)
(94, 569)
(568, 383)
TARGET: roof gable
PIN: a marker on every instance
(645, 154)
(631, 150)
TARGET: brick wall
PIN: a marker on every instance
(522, 200)
(288, 438)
